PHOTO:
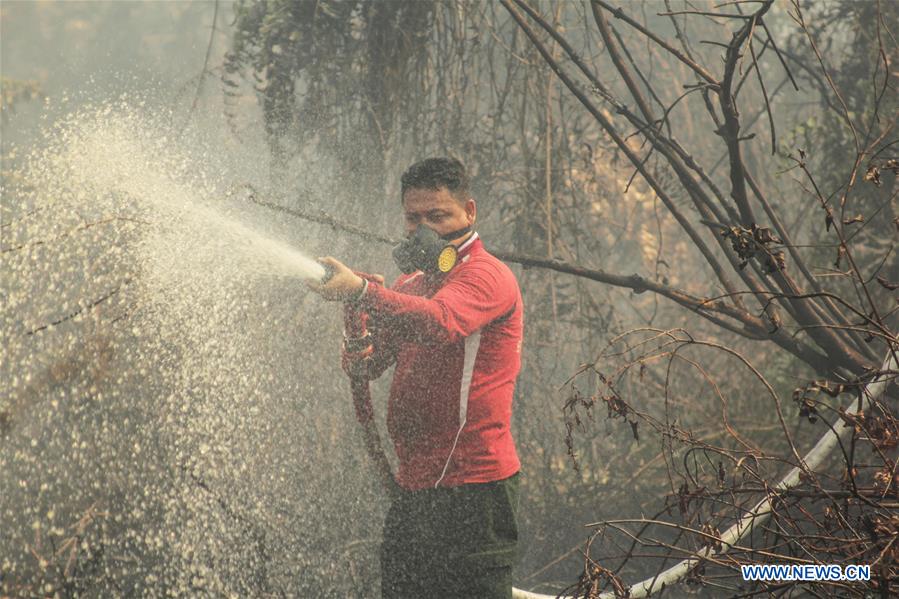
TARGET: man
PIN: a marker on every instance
(454, 330)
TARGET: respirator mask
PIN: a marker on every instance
(427, 251)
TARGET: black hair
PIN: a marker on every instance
(434, 173)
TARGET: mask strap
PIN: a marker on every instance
(456, 234)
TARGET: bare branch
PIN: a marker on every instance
(696, 68)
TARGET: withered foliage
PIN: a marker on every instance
(812, 481)
(840, 511)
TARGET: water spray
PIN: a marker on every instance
(151, 320)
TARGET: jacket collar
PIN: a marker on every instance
(471, 244)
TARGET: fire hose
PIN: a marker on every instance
(357, 352)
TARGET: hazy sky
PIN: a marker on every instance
(94, 50)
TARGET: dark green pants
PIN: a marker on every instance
(458, 542)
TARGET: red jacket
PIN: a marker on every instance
(456, 340)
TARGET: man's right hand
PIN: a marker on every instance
(343, 285)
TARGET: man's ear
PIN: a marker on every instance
(471, 210)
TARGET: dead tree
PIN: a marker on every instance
(841, 322)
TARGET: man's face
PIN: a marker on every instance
(438, 210)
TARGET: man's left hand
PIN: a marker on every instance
(343, 285)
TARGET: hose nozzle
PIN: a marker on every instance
(329, 272)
